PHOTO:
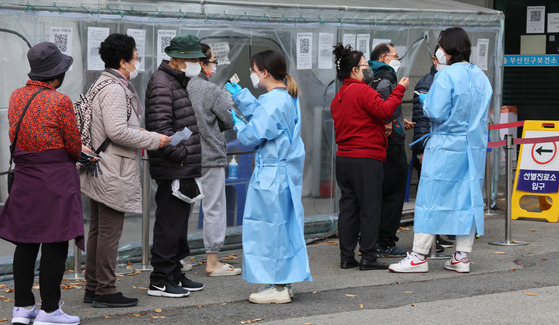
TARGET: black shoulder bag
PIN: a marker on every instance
(10, 172)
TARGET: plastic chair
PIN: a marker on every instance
(236, 188)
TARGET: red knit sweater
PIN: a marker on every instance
(49, 123)
(359, 113)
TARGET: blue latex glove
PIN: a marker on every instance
(233, 88)
(236, 118)
(422, 97)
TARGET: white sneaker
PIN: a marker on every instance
(411, 264)
(57, 317)
(461, 266)
(270, 294)
(20, 315)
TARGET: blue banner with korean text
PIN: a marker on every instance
(538, 181)
(549, 60)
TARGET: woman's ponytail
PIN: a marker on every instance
(292, 87)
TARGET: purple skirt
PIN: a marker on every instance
(44, 205)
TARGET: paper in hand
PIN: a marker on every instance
(179, 136)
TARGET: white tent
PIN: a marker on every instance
(304, 33)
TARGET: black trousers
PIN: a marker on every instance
(170, 230)
(360, 181)
(393, 194)
(51, 270)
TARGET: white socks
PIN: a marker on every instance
(460, 255)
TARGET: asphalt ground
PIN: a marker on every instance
(507, 285)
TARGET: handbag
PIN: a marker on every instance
(10, 172)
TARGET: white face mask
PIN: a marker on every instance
(255, 80)
(440, 55)
(134, 74)
(439, 67)
(395, 64)
(192, 69)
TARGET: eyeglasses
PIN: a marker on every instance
(394, 56)
(363, 65)
(214, 61)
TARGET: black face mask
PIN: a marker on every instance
(368, 75)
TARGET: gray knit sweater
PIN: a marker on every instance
(212, 105)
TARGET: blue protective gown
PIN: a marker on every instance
(274, 248)
(449, 197)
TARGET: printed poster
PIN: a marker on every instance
(535, 20)
(62, 38)
(140, 38)
(482, 54)
(221, 52)
(363, 41)
(553, 23)
(304, 51)
(325, 47)
(349, 39)
(164, 38)
(95, 35)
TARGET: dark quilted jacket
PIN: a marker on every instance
(423, 124)
(168, 110)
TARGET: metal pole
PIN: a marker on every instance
(488, 182)
(77, 274)
(146, 207)
(508, 219)
(433, 255)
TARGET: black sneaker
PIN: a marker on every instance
(114, 300)
(444, 243)
(88, 296)
(167, 289)
(439, 248)
(188, 284)
(390, 251)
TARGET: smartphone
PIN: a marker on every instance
(235, 79)
(91, 155)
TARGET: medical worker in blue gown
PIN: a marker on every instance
(274, 249)
(449, 199)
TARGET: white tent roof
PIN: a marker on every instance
(378, 12)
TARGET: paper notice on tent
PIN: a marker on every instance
(95, 35)
(304, 51)
(164, 38)
(535, 20)
(349, 39)
(553, 23)
(363, 42)
(221, 52)
(62, 38)
(482, 50)
(325, 47)
(140, 38)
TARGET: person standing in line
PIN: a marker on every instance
(168, 111)
(359, 113)
(449, 197)
(274, 248)
(44, 208)
(423, 126)
(212, 105)
(115, 122)
(385, 63)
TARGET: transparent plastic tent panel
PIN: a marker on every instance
(413, 33)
